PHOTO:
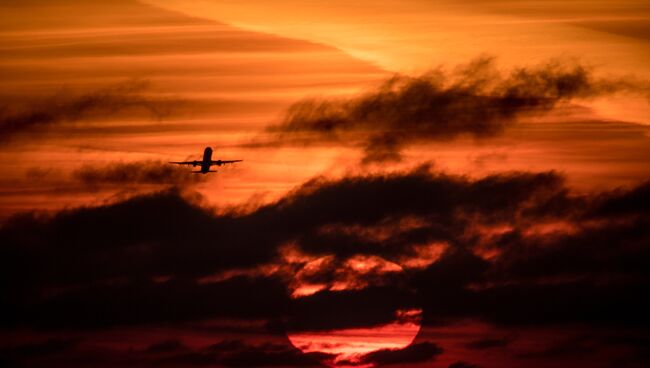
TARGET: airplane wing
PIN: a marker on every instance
(223, 162)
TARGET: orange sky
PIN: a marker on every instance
(233, 80)
(223, 71)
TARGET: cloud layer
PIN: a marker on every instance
(520, 249)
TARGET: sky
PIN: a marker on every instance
(424, 183)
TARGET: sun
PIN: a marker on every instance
(349, 346)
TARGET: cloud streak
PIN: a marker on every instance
(135, 173)
(475, 100)
(119, 98)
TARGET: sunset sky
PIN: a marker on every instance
(424, 183)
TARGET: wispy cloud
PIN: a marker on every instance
(135, 173)
(475, 100)
(121, 98)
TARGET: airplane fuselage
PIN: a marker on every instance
(207, 160)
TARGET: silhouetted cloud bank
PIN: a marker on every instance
(520, 249)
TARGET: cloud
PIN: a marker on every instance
(238, 353)
(165, 234)
(332, 310)
(474, 100)
(120, 98)
(488, 343)
(521, 249)
(127, 302)
(414, 353)
(570, 347)
(165, 353)
(38, 349)
(461, 364)
(166, 346)
(620, 202)
(134, 173)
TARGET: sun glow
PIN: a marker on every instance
(351, 344)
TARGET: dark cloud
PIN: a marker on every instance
(550, 299)
(488, 343)
(140, 302)
(475, 100)
(167, 353)
(37, 349)
(414, 353)
(602, 250)
(164, 234)
(621, 202)
(141, 262)
(166, 346)
(134, 173)
(571, 347)
(237, 353)
(127, 97)
(368, 307)
(461, 364)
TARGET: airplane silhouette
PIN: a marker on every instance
(206, 162)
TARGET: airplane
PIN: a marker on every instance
(205, 163)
